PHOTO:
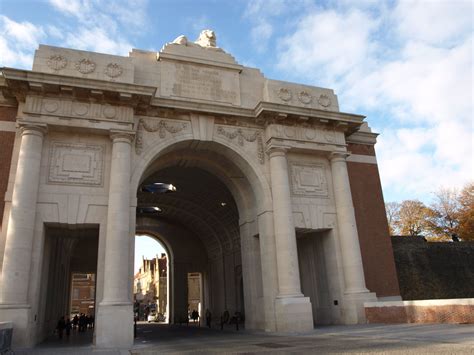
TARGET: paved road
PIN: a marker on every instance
(361, 339)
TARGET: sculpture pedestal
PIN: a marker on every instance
(293, 314)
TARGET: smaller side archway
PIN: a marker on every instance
(186, 254)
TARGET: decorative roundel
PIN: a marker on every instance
(80, 108)
(284, 94)
(57, 62)
(109, 112)
(305, 97)
(50, 106)
(324, 100)
(113, 70)
(85, 66)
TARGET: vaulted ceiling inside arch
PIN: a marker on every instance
(201, 203)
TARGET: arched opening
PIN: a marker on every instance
(209, 221)
(150, 281)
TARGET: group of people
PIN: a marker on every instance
(79, 322)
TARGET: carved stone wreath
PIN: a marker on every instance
(113, 70)
(284, 94)
(324, 100)
(161, 127)
(241, 137)
(85, 66)
(57, 62)
(304, 97)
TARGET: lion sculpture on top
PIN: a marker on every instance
(207, 39)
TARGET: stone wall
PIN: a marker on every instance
(434, 270)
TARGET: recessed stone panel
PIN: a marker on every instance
(309, 180)
(76, 164)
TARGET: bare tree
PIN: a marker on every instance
(446, 208)
(392, 209)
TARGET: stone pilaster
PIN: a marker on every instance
(355, 290)
(115, 313)
(292, 310)
(14, 304)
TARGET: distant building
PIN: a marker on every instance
(83, 294)
(150, 283)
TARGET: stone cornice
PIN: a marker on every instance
(361, 137)
(20, 83)
(280, 112)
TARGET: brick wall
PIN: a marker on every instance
(428, 311)
(7, 138)
(372, 226)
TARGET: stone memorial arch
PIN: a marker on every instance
(278, 201)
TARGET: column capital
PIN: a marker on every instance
(338, 156)
(275, 151)
(122, 136)
(37, 129)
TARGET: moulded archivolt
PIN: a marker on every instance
(76, 164)
(309, 179)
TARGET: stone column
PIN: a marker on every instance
(20, 230)
(355, 291)
(115, 314)
(285, 237)
(292, 310)
(348, 236)
(16, 271)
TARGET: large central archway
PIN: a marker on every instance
(210, 225)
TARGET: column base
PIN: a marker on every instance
(353, 311)
(293, 314)
(20, 316)
(114, 326)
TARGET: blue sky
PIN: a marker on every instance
(406, 65)
(147, 247)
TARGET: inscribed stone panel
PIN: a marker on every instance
(200, 82)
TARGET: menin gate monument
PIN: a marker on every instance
(278, 202)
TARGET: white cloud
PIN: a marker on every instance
(413, 63)
(328, 43)
(17, 42)
(260, 35)
(434, 22)
(97, 40)
(98, 24)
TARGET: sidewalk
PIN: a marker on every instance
(375, 339)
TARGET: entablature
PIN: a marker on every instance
(21, 83)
